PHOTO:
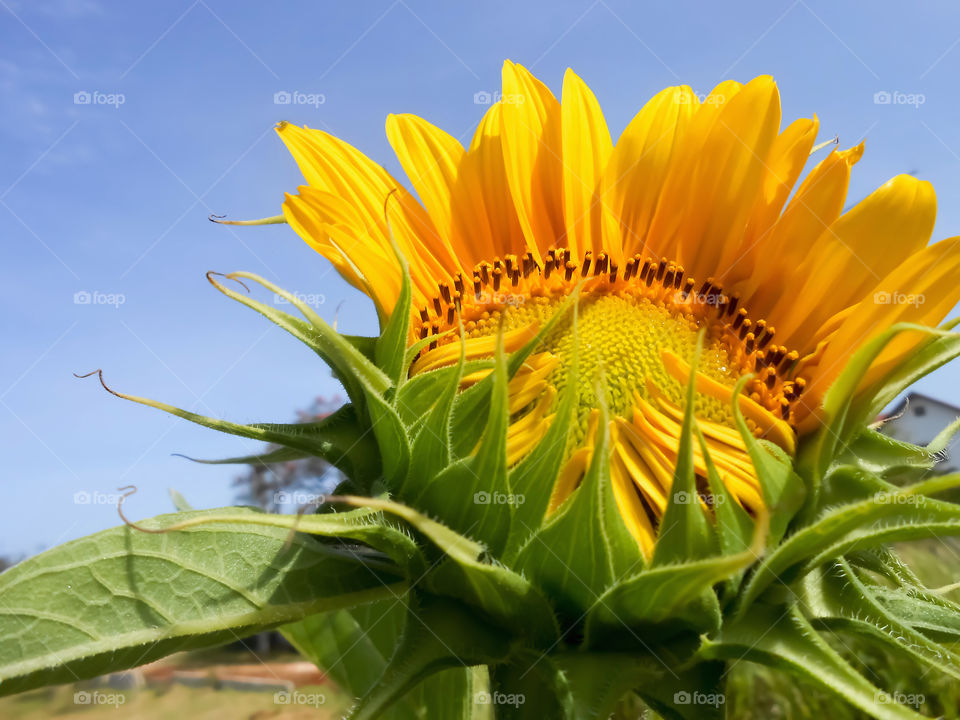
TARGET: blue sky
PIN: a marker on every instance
(111, 198)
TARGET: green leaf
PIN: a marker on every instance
(123, 597)
(906, 513)
(782, 638)
(685, 533)
(835, 598)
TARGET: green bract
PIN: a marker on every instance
(436, 585)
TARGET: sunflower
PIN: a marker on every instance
(684, 246)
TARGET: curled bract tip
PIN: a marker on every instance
(272, 220)
(228, 276)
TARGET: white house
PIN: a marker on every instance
(918, 419)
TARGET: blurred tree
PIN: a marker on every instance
(286, 486)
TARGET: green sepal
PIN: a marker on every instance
(734, 526)
(473, 493)
(535, 475)
(667, 598)
(180, 503)
(419, 394)
(842, 415)
(354, 646)
(392, 441)
(391, 346)
(887, 457)
(783, 490)
(467, 575)
(473, 402)
(685, 533)
(431, 444)
(585, 545)
(597, 681)
(923, 610)
(530, 687)
(357, 373)
(689, 693)
(339, 438)
(934, 353)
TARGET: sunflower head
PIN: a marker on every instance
(679, 233)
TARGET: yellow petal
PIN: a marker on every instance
(816, 205)
(532, 150)
(788, 156)
(333, 166)
(707, 201)
(486, 213)
(431, 159)
(638, 165)
(921, 290)
(852, 255)
(586, 149)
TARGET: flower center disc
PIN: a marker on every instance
(636, 335)
(617, 347)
